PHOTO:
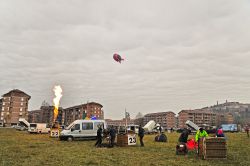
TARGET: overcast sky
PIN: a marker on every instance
(178, 54)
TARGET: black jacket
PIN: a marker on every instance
(112, 132)
(184, 136)
(141, 132)
(99, 133)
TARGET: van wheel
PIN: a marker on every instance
(70, 139)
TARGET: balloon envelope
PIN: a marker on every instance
(117, 58)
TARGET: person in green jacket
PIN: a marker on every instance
(200, 134)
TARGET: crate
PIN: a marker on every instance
(214, 148)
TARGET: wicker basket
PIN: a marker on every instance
(122, 140)
(214, 148)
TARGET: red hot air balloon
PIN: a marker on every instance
(117, 58)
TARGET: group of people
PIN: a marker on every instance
(201, 133)
(112, 135)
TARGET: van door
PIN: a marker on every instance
(75, 131)
(87, 130)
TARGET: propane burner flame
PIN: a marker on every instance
(56, 100)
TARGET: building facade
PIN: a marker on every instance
(34, 116)
(165, 119)
(45, 115)
(83, 111)
(122, 122)
(14, 106)
(226, 118)
(199, 117)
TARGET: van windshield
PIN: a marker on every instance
(69, 127)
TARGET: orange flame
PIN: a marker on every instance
(56, 100)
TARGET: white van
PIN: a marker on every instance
(40, 128)
(134, 128)
(82, 129)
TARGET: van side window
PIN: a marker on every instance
(97, 124)
(77, 127)
(87, 126)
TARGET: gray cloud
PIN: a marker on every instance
(178, 54)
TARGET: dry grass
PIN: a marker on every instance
(21, 148)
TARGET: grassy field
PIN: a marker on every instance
(21, 148)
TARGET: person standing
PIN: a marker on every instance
(201, 133)
(99, 137)
(141, 135)
(112, 134)
(160, 129)
(247, 131)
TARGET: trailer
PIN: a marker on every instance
(40, 128)
(229, 127)
(23, 124)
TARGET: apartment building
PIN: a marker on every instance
(83, 111)
(14, 106)
(166, 119)
(199, 117)
(122, 122)
(45, 115)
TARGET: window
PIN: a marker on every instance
(22, 99)
(21, 109)
(33, 125)
(3, 103)
(76, 127)
(97, 124)
(1, 118)
(87, 126)
(20, 113)
(1, 113)
(21, 103)
(2, 108)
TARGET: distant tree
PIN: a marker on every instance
(45, 103)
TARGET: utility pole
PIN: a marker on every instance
(126, 121)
